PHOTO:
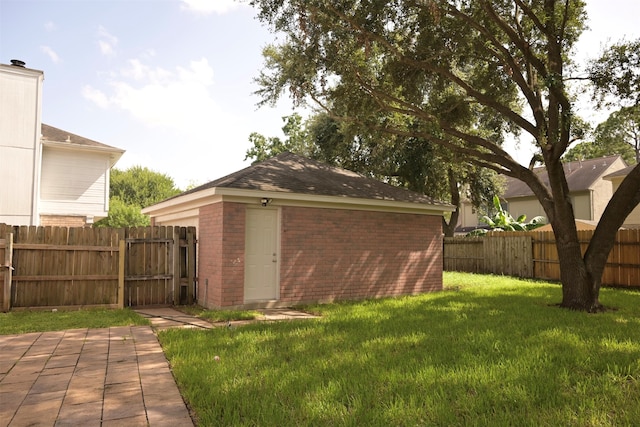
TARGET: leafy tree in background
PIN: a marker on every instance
(134, 189)
(265, 147)
(461, 75)
(619, 134)
(616, 74)
(123, 215)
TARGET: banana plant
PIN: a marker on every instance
(503, 221)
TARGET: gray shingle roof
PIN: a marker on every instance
(581, 175)
(290, 173)
(52, 134)
(621, 172)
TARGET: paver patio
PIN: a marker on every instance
(89, 377)
(108, 377)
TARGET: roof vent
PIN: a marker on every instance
(18, 63)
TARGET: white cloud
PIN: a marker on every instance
(50, 53)
(192, 136)
(107, 42)
(96, 96)
(180, 99)
(219, 7)
(50, 26)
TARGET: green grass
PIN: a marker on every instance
(20, 322)
(488, 351)
(220, 315)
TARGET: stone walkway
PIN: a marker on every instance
(115, 376)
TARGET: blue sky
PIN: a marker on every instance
(171, 81)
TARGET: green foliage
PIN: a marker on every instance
(616, 74)
(141, 186)
(296, 141)
(21, 322)
(132, 190)
(593, 150)
(487, 351)
(123, 215)
(503, 221)
(619, 134)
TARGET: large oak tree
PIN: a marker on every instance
(461, 74)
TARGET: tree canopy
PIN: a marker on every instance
(462, 75)
(619, 134)
(133, 189)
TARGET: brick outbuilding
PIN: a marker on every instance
(291, 230)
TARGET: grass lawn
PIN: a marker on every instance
(488, 351)
(215, 316)
(20, 322)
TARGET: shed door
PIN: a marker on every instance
(261, 255)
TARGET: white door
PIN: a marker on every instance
(261, 255)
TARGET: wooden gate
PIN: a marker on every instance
(159, 266)
(45, 267)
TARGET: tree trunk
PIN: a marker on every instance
(454, 192)
(580, 290)
(449, 228)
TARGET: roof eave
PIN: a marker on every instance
(278, 198)
(115, 153)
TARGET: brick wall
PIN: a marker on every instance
(221, 255)
(331, 254)
(326, 254)
(63, 221)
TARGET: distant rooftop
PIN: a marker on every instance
(52, 134)
(581, 175)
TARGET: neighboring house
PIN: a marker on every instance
(49, 176)
(616, 178)
(292, 230)
(589, 191)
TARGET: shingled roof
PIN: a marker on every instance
(290, 173)
(55, 135)
(581, 175)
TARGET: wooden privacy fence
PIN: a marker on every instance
(502, 253)
(508, 255)
(132, 267)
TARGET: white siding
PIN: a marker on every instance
(468, 216)
(74, 183)
(19, 144)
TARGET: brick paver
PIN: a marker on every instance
(108, 377)
(88, 377)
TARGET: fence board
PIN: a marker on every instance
(58, 266)
(508, 255)
(622, 268)
(464, 254)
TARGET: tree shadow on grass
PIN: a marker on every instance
(450, 358)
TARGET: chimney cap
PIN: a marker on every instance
(18, 63)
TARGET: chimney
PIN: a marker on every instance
(18, 63)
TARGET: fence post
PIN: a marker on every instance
(175, 267)
(191, 264)
(8, 267)
(122, 245)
